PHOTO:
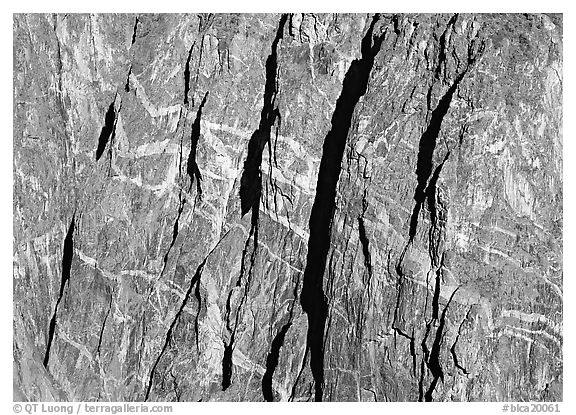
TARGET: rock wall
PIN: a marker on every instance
(288, 207)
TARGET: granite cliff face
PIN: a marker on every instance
(288, 207)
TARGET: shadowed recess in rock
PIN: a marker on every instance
(442, 45)
(107, 131)
(127, 84)
(135, 30)
(429, 138)
(67, 255)
(192, 165)
(426, 152)
(194, 283)
(313, 299)
(251, 191)
(187, 75)
(227, 364)
(251, 180)
(365, 245)
(272, 362)
(434, 359)
(181, 203)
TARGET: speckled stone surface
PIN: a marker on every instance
(288, 207)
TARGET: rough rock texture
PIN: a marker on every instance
(288, 207)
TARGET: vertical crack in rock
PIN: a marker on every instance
(313, 299)
(436, 296)
(127, 84)
(453, 347)
(434, 358)
(251, 190)
(398, 330)
(428, 140)
(426, 152)
(442, 45)
(187, 75)
(104, 326)
(135, 30)
(274, 354)
(229, 346)
(272, 362)
(251, 179)
(107, 131)
(194, 286)
(181, 203)
(227, 364)
(365, 244)
(192, 166)
(437, 218)
(67, 255)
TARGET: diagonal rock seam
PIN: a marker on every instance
(192, 165)
(175, 229)
(135, 30)
(274, 354)
(313, 299)
(194, 287)
(251, 179)
(187, 75)
(108, 130)
(433, 362)
(67, 255)
(251, 189)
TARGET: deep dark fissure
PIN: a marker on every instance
(365, 245)
(181, 204)
(313, 299)
(426, 152)
(194, 283)
(272, 362)
(67, 255)
(135, 30)
(187, 75)
(192, 165)
(107, 131)
(251, 180)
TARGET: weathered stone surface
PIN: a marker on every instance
(295, 207)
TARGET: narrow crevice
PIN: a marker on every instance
(67, 255)
(229, 347)
(107, 131)
(127, 84)
(436, 296)
(181, 204)
(313, 299)
(396, 22)
(437, 216)
(135, 30)
(100, 337)
(272, 362)
(251, 179)
(187, 75)
(426, 152)
(424, 361)
(365, 245)
(227, 364)
(194, 283)
(442, 45)
(429, 138)
(192, 166)
(274, 354)
(434, 358)
(412, 346)
(453, 347)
